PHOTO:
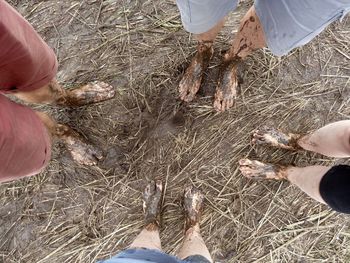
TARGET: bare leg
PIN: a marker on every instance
(54, 93)
(149, 236)
(249, 38)
(81, 151)
(193, 243)
(210, 35)
(331, 140)
(306, 178)
(192, 79)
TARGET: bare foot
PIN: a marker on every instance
(193, 202)
(276, 138)
(152, 202)
(90, 93)
(259, 170)
(192, 79)
(226, 90)
(81, 151)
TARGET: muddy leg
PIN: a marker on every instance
(249, 38)
(192, 79)
(54, 93)
(306, 178)
(81, 151)
(193, 244)
(332, 140)
(149, 236)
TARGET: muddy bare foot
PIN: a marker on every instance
(193, 202)
(81, 151)
(90, 93)
(152, 201)
(226, 90)
(192, 79)
(273, 137)
(259, 170)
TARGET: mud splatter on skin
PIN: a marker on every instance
(306, 140)
(91, 93)
(193, 204)
(152, 227)
(258, 170)
(151, 203)
(59, 94)
(245, 42)
(249, 38)
(244, 25)
(192, 79)
(81, 151)
(226, 90)
(243, 47)
(273, 137)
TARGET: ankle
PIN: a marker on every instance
(152, 220)
(277, 172)
(59, 94)
(204, 46)
(192, 223)
(294, 141)
(230, 58)
(153, 226)
(283, 172)
(63, 131)
(190, 229)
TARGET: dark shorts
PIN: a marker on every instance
(142, 255)
(26, 61)
(335, 188)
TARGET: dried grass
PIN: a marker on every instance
(80, 214)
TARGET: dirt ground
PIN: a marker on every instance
(71, 213)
